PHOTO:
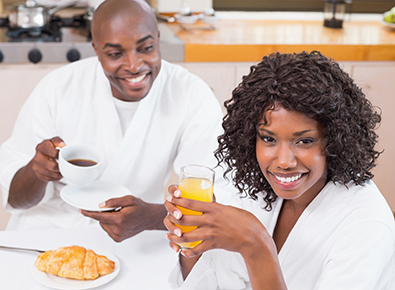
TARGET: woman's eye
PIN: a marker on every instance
(305, 141)
(266, 139)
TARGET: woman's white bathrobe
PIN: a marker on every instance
(176, 124)
(344, 240)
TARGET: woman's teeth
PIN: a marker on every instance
(136, 80)
(288, 179)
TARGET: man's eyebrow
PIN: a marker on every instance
(119, 46)
(112, 45)
(144, 38)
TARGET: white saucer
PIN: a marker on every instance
(89, 197)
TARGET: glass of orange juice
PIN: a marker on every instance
(196, 182)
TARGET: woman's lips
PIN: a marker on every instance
(288, 181)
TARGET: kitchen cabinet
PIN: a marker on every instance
(376, 80)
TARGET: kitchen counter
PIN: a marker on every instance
(245, 37)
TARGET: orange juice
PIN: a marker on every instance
(198, 189)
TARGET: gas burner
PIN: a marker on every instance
(45, 34)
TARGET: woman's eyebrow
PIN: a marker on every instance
(296, 134)
(302, 132)
(265, 130)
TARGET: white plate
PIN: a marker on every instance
(391, 25)
(89, 197)
(56, 282)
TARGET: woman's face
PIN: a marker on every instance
(290, 153)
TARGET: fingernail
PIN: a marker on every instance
(102, 204)
(175, 248)
(178, 232)
(169, 198)
(177, 193)
(177, 214)
(167, 237)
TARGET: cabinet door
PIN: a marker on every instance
(219, 76)
(377, 82)
(16, 83)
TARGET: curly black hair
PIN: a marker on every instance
(315, 86)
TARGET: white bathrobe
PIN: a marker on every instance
(344, 240)
(176, 124)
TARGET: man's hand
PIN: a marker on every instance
(28, 185)
(44, 163)
(134, 216)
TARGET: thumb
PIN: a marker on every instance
(124, 201)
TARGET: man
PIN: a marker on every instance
(144, 115)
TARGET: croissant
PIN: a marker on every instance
(75, 263)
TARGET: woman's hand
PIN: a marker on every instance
(228, 228)
(219, 227)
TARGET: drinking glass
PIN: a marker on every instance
(196, 182)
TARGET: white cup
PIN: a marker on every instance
(80, 175)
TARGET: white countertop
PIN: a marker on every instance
(146, 259)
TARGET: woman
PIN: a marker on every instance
(299, 144)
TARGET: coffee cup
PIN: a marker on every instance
(79, 164)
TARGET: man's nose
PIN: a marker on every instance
(133, 62)
(285, 157)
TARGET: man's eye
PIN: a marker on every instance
(147, 48)
(114, 54)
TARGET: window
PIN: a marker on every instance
(358, 6)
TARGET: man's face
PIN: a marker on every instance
(128, 50)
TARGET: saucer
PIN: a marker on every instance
(89, 197)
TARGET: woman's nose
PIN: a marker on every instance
(285, 157)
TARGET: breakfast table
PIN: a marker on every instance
(145, 260)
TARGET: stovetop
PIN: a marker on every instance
(53, 32)
(72, 44)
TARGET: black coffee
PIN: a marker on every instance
(82, 162)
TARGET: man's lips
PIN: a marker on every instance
(135, 79)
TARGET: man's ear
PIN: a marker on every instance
(94, 47)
